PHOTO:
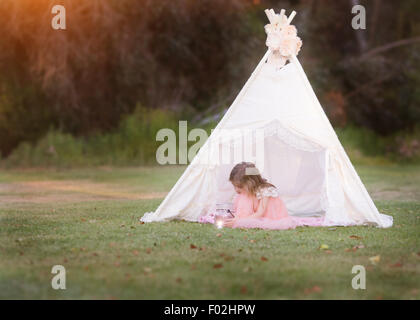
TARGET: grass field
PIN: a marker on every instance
(87, 221)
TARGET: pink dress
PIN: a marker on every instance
(275, 216)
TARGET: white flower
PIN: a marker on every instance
(298, 46)
(279, 20)
(282, 40)
(277, 59)
(274, 41)
(289, 31)
(288, 46)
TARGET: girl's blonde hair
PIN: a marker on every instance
(246, 175)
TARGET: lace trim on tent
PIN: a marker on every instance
(275, 128)
(293, 139)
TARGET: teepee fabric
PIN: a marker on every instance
(278, 115)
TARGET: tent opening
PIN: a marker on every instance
(299, 172)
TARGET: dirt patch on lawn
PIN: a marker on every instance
(404, 193)
(67, 191)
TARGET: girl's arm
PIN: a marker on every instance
(262, 206)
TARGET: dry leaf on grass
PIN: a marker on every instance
(375, 259)
(323, 247)
(193, 246)
(396, 265)
(247, 269)
(314, 289)
(217, 266)
(360, 246)
(244, 289)
(264, 259)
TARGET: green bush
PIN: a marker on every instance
(133, 143)
(366, 147)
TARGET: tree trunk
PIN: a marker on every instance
(360, 34)
(373, 24)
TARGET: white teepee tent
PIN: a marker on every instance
(302, 155)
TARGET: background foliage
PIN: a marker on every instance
(73, 93)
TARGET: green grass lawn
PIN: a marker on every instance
(88, 221)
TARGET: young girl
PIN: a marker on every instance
(258, 205)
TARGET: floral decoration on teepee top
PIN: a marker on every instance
(282, 39)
